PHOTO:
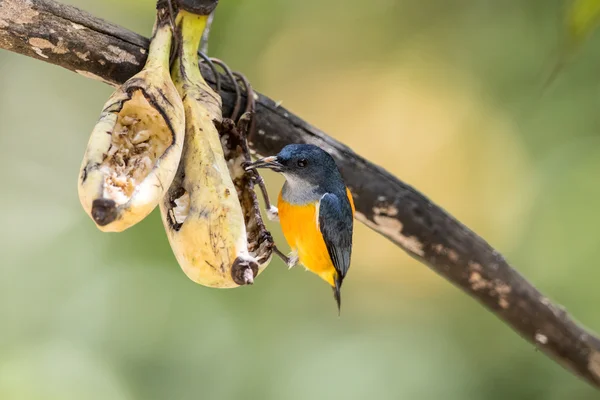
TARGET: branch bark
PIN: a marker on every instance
(73, 39)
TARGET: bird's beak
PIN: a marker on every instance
(267, 162)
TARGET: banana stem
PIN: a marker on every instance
(160, 46)
(192, 27)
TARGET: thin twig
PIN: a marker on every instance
(213, 69)
(238, 94)
(206, 34)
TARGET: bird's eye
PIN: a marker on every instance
(302, 162)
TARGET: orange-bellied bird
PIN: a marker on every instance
(316, 211)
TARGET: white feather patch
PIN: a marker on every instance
(273, 213)
(317, 211)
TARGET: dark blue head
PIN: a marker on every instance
(303, 162)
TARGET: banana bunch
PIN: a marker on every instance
(201, 211)
(134, 150)
(157, 143)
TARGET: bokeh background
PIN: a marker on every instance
(447, 95)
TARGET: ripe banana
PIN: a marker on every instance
(135, 148)
(201, 211)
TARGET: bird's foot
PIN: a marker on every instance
(291, 260)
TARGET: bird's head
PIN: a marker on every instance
(301, 162)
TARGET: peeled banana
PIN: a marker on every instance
(134, 149)
(201, 211)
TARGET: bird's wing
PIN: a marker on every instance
(335, 224)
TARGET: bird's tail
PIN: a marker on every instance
(337, 294)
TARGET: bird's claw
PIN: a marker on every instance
(291, 260)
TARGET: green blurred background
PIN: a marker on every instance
(447, 95)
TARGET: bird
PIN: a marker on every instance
(315, 210)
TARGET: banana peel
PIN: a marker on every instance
(201, 211)
(135, 148)
(233, 140)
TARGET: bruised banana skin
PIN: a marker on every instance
(201, 211)
(134, 150)
(235, 146)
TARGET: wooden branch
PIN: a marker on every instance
(68, 37)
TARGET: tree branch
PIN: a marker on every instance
(68, 37)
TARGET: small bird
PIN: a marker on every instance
(316, 211)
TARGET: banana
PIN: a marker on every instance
(135, 148)
(201, 211)
(235, 147)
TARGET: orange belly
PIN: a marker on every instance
(299, 226)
